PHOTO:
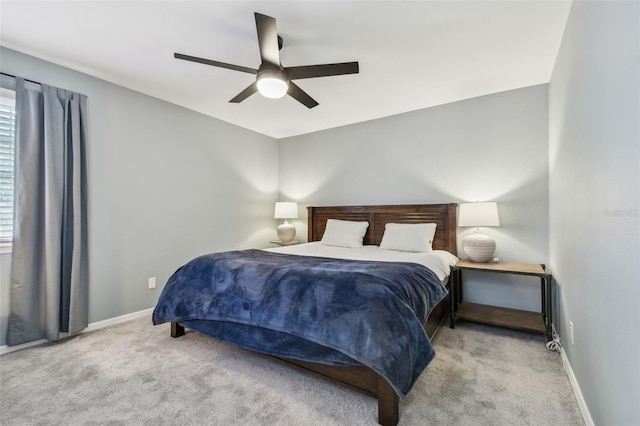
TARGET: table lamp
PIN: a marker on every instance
(477, 246)
(286, 210)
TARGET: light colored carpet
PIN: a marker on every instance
(136, 374)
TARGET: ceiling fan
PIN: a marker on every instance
(272, 79)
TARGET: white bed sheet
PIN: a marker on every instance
(439, 261)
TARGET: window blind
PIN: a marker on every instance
(7, 147)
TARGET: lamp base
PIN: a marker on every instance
(286, 232)
(479, 247)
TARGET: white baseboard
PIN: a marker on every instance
(8, 349)
(91, 327)
(117, 320)
(588, 421)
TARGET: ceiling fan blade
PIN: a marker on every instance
(253, 88)
(215, 63)
(326, 70)
(301, 96)
(268, 39)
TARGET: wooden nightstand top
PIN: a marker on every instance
(503, 267)
(282, 243)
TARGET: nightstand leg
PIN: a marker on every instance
(456, 294)
(452, 299)
(548, 306)
(545, 290)
(543, 298)
(459, 289)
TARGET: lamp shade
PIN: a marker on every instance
(479, 214)
(286, 210)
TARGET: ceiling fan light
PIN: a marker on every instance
(272, 85)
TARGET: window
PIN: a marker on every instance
(7, 138)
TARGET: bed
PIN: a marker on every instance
(314, 345)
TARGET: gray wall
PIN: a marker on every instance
(166, 184)
(488, 148)
(594, 204)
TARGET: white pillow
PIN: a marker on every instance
(414, 237)
(344, 233)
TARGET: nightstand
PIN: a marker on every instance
(538, 322)
(282, 243)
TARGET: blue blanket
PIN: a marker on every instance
(331, 311)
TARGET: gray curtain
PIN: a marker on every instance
(49, 268)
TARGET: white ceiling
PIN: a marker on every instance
(412, 54)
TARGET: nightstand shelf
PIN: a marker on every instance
(502, 317)
(537, 322)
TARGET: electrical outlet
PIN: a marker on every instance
(571, 331)
(152, 283)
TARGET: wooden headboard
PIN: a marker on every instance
(443, 215)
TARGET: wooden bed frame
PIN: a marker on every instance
(360, 377)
